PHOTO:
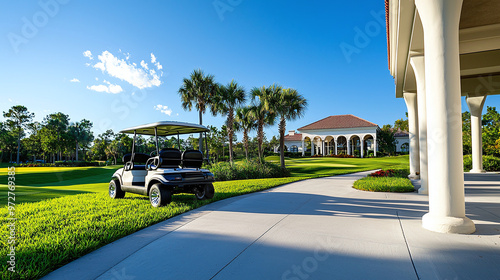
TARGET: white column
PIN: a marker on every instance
(349, 146)
(375, 147)
(418, 64)
(476, 104)
(312, 147)
(335, 143)
(362, 147)
(303, 147)
(411, 105)
(440, 19)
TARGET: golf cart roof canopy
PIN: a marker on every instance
(166, 128)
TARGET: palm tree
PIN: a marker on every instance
(18, 117)
(289, 105)
(259, 111)
(228, 98)
(198, 90)
(245, 122)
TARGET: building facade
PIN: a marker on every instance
(335, 135)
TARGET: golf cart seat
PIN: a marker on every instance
(192, 159)
(170, 158)
(139, 158)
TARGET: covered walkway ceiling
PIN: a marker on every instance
(479, 46)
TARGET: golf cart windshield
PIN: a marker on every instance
(166, 128)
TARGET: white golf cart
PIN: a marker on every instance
(164, 172)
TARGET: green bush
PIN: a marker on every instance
(490, 163)
(246, 169)
(384, 184)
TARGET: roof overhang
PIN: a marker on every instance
(166, 128)
(479, 45)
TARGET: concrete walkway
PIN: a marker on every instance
(314, 229)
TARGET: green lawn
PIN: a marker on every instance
(330, 166)
(81, 217)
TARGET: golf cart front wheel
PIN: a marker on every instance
(159, 195)
(114, 190)
(204, 191)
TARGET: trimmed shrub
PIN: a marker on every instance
(490, 163)
(247, 169)
(384, 184)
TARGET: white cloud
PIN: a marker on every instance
(144, 65)
(74, 80)
(164, 109)
(110, 88)
(88, 54)
(10, 100)
(156, 63)
(125, 71)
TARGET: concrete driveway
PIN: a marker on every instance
(314, 229)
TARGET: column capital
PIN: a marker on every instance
(475, 104)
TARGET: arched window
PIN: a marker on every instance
(405, 147)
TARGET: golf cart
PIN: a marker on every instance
(163, 172)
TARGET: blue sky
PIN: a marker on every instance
(46, 50)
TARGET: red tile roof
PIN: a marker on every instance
(339, 121)
(295, 137)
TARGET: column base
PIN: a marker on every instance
(413, 176)
(423, 191)
(448, 224)
(477, 171)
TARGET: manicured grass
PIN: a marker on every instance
(38, 183)
(330, 166)
(56, 231)
(384, 184)
(53, 232)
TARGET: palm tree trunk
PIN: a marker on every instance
(245, 141)
(282, 127)
(200, 141)
(230, 132)
(260, 138)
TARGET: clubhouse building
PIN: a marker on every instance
(339, 135)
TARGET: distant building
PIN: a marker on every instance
(341, 134)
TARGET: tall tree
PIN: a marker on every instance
(386, 140)
(259, 111)
(198, 90)
(18, 117)
(286, 104)
(57, 124)
(33, 143)
(82, 134)
(228, 98)
(491, 131)
(245, 122)
(402, 124)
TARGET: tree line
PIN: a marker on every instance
(56, 138)
(490, 133)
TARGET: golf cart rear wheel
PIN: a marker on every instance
(114, 190)
(159, 195)
(204, 191)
